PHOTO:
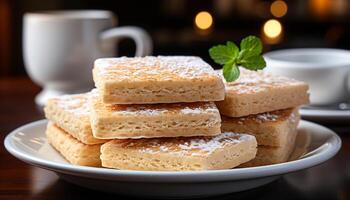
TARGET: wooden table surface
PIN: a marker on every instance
(19, 180)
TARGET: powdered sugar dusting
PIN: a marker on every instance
(209, 107)
(263, 117)
(162, 109)
(294, 117)
(273, 116)
(197, 108)
(194, 146)
(140, 110)
(75, 103)
(257, 81)
(267, 117)
(187, 111)
(153, 68)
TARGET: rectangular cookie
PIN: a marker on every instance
(71, 113)
(268, 155)
(270, 129)
(153, 120)
(161, 79)
(259, 92)
(223, 151)
(71, 149)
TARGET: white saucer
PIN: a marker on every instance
(323, 115)
(315, 144)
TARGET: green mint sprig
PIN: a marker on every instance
(230, 56)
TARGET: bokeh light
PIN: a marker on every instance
(272, 28)
(203, 20)
(321, 8)
(279, 8)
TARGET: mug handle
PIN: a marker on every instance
(142, 40)
(348, 81)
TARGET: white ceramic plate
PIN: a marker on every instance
(315, 144)
(322, 115)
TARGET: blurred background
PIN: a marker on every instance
(191, 27)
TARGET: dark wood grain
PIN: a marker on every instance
(19, 180)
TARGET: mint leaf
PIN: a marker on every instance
(250, 61)
(232, 47)
(242, 55)
(255, 62)
(231, 72)
(222, 54)
(252, 44)
(231, 57)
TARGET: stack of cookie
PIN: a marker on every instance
(69, 130)
(265, 106)
(150, 113)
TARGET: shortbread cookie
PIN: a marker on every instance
(161, 79)
(268, 155)
(154, 120)
(223, 151)
(71, 113)
(259, 92)
(271, 129)
(71, 149)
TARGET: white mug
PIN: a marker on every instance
(60, 47)
(327, 71)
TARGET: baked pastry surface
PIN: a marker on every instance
(71, 149)
(270, 129)
(268, 155)
(223, 151)
(72, 114)
(161, 79)
(259, 92)
(111, 121)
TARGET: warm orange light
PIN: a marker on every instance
(279, 8)
(203, 20)
(272, 28)
(321, 8)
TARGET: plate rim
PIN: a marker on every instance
(173, 176)
(338, 114)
